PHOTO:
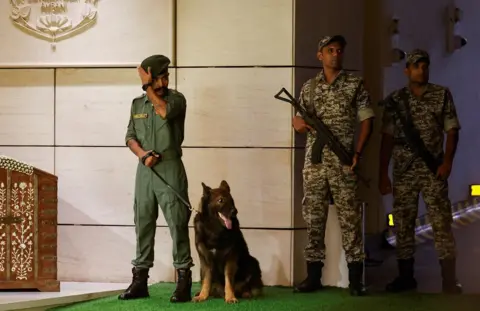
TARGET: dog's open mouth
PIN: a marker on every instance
(228, 222)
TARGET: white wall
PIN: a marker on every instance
(70, 120)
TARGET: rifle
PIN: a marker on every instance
(412, 135)
(324, 136)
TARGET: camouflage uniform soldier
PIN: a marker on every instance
(339, 99)
(432, 112)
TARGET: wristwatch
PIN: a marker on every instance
(146, 85)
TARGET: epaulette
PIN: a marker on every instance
(139, 97)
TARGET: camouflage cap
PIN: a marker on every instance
(326, 40)
(417, 55)
(158, 65)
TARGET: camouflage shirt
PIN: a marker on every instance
(432, 114)
(336, 106)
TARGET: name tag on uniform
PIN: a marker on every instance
(140, 116)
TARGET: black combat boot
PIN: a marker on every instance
(313, 281)
(183, 292)
(450, 284)
(355, 278)
(405, 280)
(139, 286)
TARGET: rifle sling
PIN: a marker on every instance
(414, 136)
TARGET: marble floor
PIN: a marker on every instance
(427, 269)
(70, 292)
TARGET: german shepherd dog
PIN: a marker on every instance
(226, 267)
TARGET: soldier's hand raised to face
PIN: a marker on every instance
(300, 126)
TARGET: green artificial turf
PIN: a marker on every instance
(282, 299)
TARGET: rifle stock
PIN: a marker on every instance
(324, 136)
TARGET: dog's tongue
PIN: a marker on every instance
(228, 222)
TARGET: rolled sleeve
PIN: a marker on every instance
(176, 105)
(131, 134)
(450, 117)
(363, 104)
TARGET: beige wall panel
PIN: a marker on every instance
(40, 157)
(97, 184)
(234, 33)
(93, 105)
(125, 32)
(236, 107)
(260, 182)
(104, 254)
(27, 106)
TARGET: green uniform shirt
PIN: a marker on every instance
(154, 132)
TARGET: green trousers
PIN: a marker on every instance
(150, 192)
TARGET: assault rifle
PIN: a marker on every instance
(412, 135)
(324, 136)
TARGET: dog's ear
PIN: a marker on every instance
(224, 185)
(206, 190)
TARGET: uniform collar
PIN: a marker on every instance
(426, 89)
(339, 78)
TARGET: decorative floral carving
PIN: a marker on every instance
(53, 19)
(22, 202)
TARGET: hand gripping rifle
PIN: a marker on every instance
(324, 136)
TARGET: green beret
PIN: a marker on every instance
(158, 65)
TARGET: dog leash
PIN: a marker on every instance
(177, 194)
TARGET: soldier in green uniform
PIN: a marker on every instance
(155, 134)
(432, 111)
(340, 100)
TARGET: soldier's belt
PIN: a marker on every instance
(164, 156)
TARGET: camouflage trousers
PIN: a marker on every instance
(406, 189)
(318, 179)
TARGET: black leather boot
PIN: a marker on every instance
(139, 286)
(183, 292)
(450, 284)
(355, 278)
(313, 281)
(405, 280)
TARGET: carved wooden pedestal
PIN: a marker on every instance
(28, 227)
